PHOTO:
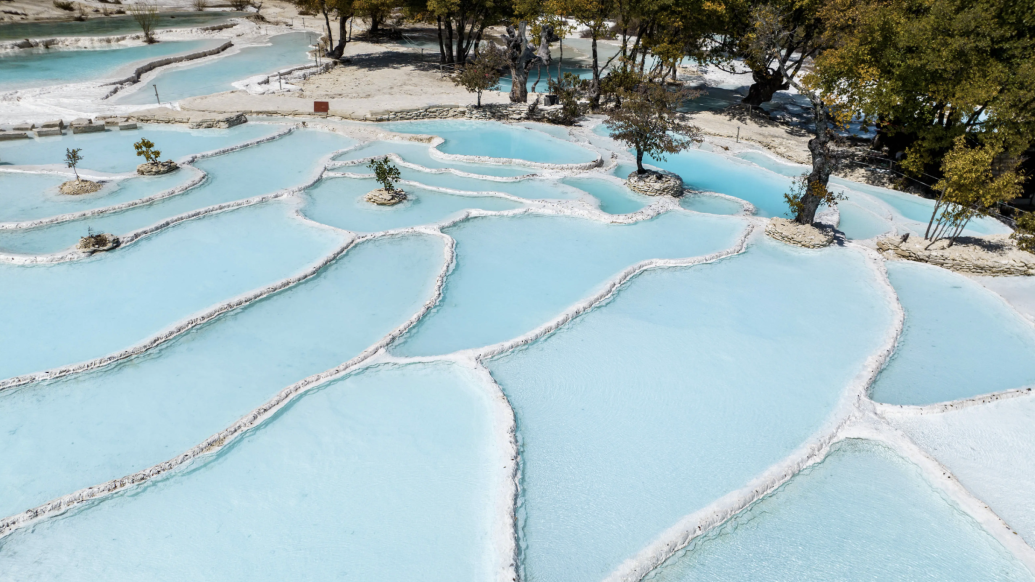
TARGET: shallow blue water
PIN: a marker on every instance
(484, 138)
(174, 84)
(40, 67)
(65, 435)
(681, 389)
(419, 153)
(339, 202)
(862, 514)
(703, 170)
(112, 151)
(614, 199)
(263, 169)
(85, 309)
(959, 340)
(529, 188)
(516, 273)
(704, 202)
(110, 25)
(35, 196)
(385, 475)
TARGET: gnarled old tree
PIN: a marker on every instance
(773, 70)
(769, 39)
(343, 10)
(522, 56)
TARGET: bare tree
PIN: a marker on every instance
(146, 15)
(522, 56)
(200, 5)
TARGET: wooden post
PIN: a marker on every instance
(156, 94)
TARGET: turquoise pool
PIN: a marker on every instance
(518, 373)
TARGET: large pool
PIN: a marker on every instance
(524, 371)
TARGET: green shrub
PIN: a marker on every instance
(385, 173)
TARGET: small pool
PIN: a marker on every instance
(217, 75)
(41, 67)
(614, 199)
(484, 138)
(864, 513)
(110, 25)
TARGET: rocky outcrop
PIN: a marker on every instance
(46, 131)
(498, 112)
(194, 120)
(6, 135)
(83, 125)
(654, 183)
(96, 243)
(383, 197)
(77, 187)
(809, 236)
(156, 168)
(995, 255)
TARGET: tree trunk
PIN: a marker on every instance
(441, 44)
(594, 88)
(449, 40)
(375, 26)
(822, 165)
(339, 50)
(518, 83)
(639, 161)
(767, 83)
(327, 20)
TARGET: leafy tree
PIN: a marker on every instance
(735, 40)
(460, 24)
(1025, 233)
(377, 11)
(928, 71)
(385, 173)
(145, 148)
(568, 89)
(595, 15)
(72, 159)
(482, 73)
(648, 122)
(970, 186)
(343, 11)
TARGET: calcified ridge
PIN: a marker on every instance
(186, 161)
(855, 417)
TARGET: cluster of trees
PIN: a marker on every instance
(949, 85)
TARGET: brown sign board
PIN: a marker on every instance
(320, 107)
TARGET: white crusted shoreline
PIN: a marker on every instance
(856, 416)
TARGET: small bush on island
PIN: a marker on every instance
(146, 149)
(72, 159)
(385, 173)
(146, 15)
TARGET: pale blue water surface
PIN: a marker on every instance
(959, 340)
(486, 138)
(266, 168)
(681, 389)
(529, 188)
(110, 25)
(513, 274)
(85, 309)
(35, 196)
(386, 475)
(614, 199)
(39, 67)
(68, 434)
(420, 154)
(112, 151)
(176, 83)
(862, 514)
(339, 202)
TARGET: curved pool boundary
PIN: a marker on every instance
(185, 161)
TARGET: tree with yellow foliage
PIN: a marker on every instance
(971, 185)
